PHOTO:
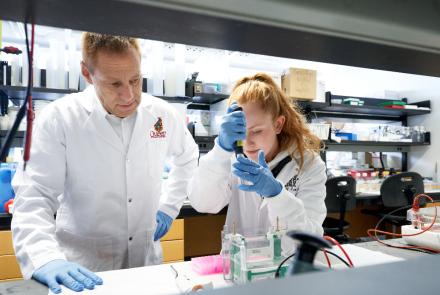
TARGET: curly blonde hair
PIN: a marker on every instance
(295, 137)
(94, 42)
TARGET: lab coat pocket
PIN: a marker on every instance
(96, 254)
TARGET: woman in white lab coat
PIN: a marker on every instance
(275, 138)
(96, 162)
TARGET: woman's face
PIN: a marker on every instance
(261, 133)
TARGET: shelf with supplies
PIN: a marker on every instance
(377, 146)
(19, 92)
(351, 107)
(206, 143)
(371, 109)
(201, 101)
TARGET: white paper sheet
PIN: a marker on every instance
(158, 279)
(358, 255)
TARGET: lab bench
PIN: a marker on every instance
(182, 240)
(172, 245)
(159, 278)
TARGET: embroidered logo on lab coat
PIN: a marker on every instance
(291, 184)
(158, 131)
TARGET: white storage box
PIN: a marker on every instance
(321, 130)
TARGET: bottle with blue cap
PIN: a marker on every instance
(6, 191)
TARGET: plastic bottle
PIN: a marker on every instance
(6, 191)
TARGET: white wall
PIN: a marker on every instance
(423, 159)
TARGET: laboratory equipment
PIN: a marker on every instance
(232, 128)
(420, 221)
(306, 251)
(263, 181)
(238, 145)
(247, 258)
(195, 88)
(207, 265)
(6, 191)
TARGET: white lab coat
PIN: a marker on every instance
(105, 197)
(299, 206)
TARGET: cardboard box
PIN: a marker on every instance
(299, 83)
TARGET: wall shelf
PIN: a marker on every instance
(209, 98)
(19, 134)
(370, 110)
(199, 102)
(175, 99)
(368, 146)
(19, 92)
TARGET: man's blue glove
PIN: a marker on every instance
(71, 275)
(163, 224)
(259, 174)
(232, 128)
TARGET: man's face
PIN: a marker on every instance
(117, 80)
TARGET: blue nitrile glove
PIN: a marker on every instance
(71, 275)
(232, 128)
(259, 174)
(163, 224)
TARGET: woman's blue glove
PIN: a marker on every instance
(259, 174)
(71, 275)
(163, 224)
(232, 128)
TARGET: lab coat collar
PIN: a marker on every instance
(88, 99)
(97, 122)
(277, 159)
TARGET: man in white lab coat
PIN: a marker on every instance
(96, 162)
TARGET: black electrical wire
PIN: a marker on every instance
(277, 273)
(22, 111)
(391, 213)
(339, 257)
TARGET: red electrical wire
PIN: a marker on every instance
(416, 207)
(330, 239)
(327, 258)
(30, 112)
